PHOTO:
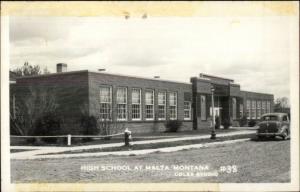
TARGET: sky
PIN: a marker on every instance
(254, 51)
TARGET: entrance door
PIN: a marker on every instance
(217, 112)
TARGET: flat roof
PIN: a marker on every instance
(139, 77)
(104, 73)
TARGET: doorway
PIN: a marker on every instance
(217, 112)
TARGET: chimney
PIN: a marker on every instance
(61, 67)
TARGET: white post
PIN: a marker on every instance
(69, 140)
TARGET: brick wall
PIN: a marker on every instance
(69, 89)
(114, 81)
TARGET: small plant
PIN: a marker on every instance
(243, 121)
(89, 125)
(48, 124)
(252, 123)
(226, 123)
(173, 125)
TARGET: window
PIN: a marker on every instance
(149, 101)
(241, 111)
(203, 107)
(105, 103)
(248, 109)
(268, 107)
(161, 105)
(121, 103)
(234, 108)
(136, 104)
(187, 110)
(253, 115)
(173, 105)
(263, 107)
(258, 109)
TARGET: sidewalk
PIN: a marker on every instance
(38, 152)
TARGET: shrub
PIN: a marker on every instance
(252, 123)
(226, 123)
(48, 124)
(173, 125)
(89, 125)
(243, 121)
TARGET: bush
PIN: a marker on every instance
(226, 123)
(89, 125)
(47, 125)
(173, 125)
(252, 123)
(217, 122)
(243, 121)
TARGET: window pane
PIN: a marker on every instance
(136, 95)
(149, 101)
(149, 97)
(187, 110)
(161, 105)
(105, 103)
(173, 105)
(203, 107)
(121, 103)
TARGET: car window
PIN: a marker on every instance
(270, 118)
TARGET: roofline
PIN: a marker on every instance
(97, 72)
(269, 94)
(52, 74)
(206, 75)
(139, 77)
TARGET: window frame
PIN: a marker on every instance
(248, 109)
(164, 105)
(258, 109)
(148, 91)
(268, 107)
(140, 104)
(105, 102)
(123, 104)
(253, 109)
(189, 110)
(173, 106)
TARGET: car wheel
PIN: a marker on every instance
(260, 137)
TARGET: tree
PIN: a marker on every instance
(29, 70)
(29, 108)
(281, 104)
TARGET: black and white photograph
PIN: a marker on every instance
(150, 96)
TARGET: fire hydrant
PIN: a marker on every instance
(127, 137)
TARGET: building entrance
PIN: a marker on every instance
(217, 112)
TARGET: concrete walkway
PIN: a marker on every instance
(37, 152)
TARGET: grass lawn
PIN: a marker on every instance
(118, 139)
(155, 145)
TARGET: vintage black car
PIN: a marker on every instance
(274, 124)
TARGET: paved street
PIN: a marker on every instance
(250, 161)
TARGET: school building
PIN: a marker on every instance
(144, 104)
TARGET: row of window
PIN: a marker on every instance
(255, 109)
(136, 111)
